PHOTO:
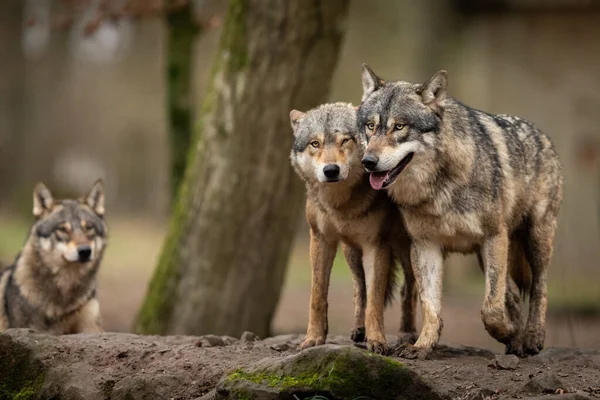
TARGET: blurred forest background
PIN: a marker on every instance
(77, 105)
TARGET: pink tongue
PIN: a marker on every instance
(377, 179)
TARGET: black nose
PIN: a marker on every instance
(84, 252)
(331, 170)
(370, 162)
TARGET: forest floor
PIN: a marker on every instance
(126, 366)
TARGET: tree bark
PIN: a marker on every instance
(182, 31)
(223, 263)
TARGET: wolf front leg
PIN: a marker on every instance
(322, 253)
(496, 318)
(377, 263)
(428, 266)
(89, 319)
(353, 257)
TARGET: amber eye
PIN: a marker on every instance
(345, 141)
(370, 126)
(399, 127)
(315, 144)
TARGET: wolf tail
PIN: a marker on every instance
(519, 268)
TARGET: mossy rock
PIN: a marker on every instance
(326, 372)
(21, 374)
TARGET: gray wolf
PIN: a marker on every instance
(471, 182)
(51, 287)
(342, 207)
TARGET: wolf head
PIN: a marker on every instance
(326, 146)
(401, 122)
(68, 232)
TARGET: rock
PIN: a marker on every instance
(21, 374)
(332, 371)
(544, 383)
(281, 347)
(229, 340)
(505, 361)
(566, 396)
(210, 341)
(248, 337)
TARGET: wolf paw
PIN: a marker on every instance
(412, 352)
(377, 347)
(407, 338)
(312, 341)
(533, 341)
(358, 334)
(514, 347)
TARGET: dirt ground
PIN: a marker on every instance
(183, 367)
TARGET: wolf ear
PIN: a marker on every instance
(434, 90)
(370, 81)
(42, 200)
(95, 198)
(295, 117)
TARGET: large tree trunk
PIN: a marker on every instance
(224, 259)
(181, 34)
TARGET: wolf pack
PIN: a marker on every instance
(403, 179)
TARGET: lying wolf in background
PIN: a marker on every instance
(51, 287)
(466, 181)
(341, 206)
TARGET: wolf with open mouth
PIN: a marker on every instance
(471, 182)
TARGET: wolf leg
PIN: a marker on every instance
(353, 257)
(539, 249)
(513, 298)
(377, 262)
(322, 253)
(496, 317)
(408, 326)
(427, 262)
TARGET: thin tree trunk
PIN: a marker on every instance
(224, 260)
(182, 31)
(12, 89)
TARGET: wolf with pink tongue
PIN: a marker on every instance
(471, 182)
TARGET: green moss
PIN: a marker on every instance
(233, 39)
(276, 381)
(21, 374)
(343, 373)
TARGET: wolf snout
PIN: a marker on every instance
(84, 252)
(370, 162)
(331, 171)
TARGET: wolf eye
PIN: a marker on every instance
(399, 127)
(62, 229)
(370, 126)
(345, 141)
(314, 144)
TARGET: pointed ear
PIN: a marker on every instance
(295, 117)
(95, 198)
(370, 81)
(434, 90)
(42, 200)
